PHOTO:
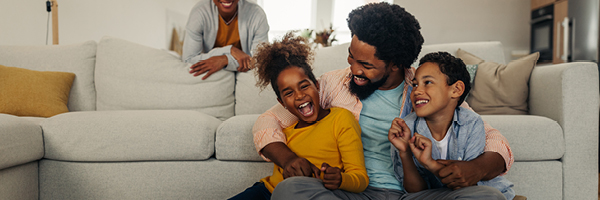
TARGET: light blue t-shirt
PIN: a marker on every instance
(376, 116)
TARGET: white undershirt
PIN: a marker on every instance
(443, 145)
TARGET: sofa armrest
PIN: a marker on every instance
(569, 94)
(21, 141)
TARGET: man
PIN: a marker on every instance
(375, 88)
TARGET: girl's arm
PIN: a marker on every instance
(354, 175)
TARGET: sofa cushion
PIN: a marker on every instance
(130, 135)
(130, 76)
(21, 141)
(531, 138)
(234, 139)
(25, 92)
(498, 88)
(77, 58)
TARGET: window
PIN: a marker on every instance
(341, 9)
(285, 15)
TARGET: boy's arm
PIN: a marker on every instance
(399, 135)
(413, 181)
(354, 175)
(421, 147)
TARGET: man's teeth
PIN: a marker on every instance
(303, 105)
(421, 102)
(358, 78)
(227, 4)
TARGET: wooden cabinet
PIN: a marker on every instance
(535, 4)
(560, 13)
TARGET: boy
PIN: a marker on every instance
(329, 138)
(440, 85)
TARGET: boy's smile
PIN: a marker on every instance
(300, 96)
(431, 95)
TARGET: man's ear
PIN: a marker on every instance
(280, 102)
(317, 84)
(394, 67)
(458, 89)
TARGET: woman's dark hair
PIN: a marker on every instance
(272, 58)
(390, 29)
(454, 69)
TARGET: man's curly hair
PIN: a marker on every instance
(454, 69)
(390, 29)
(272, 58)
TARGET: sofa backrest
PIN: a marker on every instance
(76, 58)
(131, 76)
(489, 51)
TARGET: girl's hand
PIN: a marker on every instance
(399, 135)
(332, 176)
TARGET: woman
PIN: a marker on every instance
(221, 34)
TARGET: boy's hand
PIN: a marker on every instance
(399, 135)
(421, 149)
(332, 176)
(300, 167)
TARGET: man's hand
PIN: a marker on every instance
(399, 135)
(459, 174)
(210, 65)
(243, 59)
(291, 164)
(332, 176)
(300, 167)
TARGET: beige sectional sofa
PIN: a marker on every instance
(140, 127)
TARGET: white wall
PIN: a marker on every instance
(23, 22)
(447, 21)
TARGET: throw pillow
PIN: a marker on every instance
(500, 89)
(25, 92)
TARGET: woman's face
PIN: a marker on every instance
(226, 7)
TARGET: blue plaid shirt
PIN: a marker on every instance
(466, 142)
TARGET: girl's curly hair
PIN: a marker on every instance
(272, 58)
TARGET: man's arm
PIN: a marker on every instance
(496, 160)
(270, 142)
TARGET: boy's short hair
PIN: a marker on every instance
(454, 69)
(272, 58)
(392, 30)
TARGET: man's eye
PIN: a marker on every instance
(415, 85)
(304, 86)
(287, 94)
(428, 82)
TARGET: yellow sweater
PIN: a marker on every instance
(335, 139)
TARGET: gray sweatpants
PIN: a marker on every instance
(312, 188)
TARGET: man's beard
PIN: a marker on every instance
(362, 92)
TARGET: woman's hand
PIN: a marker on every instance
(243, 59)
(209, 66)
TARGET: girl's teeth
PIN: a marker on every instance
(303, 105)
